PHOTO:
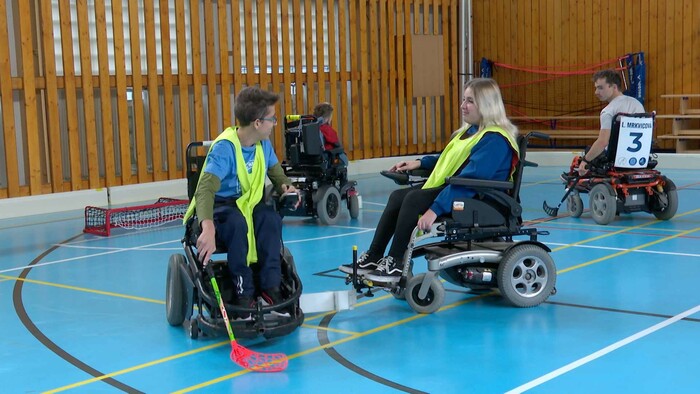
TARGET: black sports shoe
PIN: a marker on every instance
(388, 270)
(244, 302)
(365, 265)
(273, 296)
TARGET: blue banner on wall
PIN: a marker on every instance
(486, 68)
(636, 70)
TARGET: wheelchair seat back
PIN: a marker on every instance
(195, 155)
(630, 141)
(302, 138)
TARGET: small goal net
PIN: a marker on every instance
(100, 221)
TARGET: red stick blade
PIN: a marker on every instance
(258, 362)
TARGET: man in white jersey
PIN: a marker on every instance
(607, 88)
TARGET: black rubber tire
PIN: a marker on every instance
(175, 292)
(574, 204)
(432, 301)
(328, 205)
(354, 206)
(603, 203)
(672, 207)
(526, 275)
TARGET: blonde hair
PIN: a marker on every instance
(489, 102)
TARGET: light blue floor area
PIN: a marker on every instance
(625, 318)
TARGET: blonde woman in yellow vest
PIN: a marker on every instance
(484, 148)
(229, 199)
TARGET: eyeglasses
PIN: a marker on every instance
(272, 119)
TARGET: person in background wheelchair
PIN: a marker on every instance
(484, 148)
(608, 88)
(331, 142)
(229, 200)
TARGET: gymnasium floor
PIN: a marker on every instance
(86, 314)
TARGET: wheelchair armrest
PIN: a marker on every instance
(401, 178)
(479, 183)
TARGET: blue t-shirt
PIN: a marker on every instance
(221, 162)
(490, 159)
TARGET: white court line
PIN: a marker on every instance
(620, 249)
(602, 352)
(374, 203)
(330, 236)
(84, 257)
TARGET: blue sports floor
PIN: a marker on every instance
(86, 314)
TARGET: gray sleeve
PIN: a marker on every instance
(207, 186)
(278, 177)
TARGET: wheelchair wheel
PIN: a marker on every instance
(666, 204)
(574, 204)
(526, 275)
(354, 206)
(175, 292)
(328, 204)
(603, 203)
(289, 259)
(432, 301)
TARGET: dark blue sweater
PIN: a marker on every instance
(490, 159)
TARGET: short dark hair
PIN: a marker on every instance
(323, 110)
(611, 77)
(251, 104)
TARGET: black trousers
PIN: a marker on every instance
(400, 218)
(232, 231)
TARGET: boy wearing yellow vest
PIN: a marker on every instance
(229, 198)
(485, 148)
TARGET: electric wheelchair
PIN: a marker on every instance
(475, 248)
(188, 286)
(320, 176)
(621, 179)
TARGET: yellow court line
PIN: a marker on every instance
(107, 293)
(381, 328)
(329, 329)
(335, 343)
(620, 253)
(137, 367)
(585, 241)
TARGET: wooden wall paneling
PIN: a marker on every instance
(200, 130)
(298, 61)
(385, 56)
(431, 24)
(170, 145)
(445, 105)
(236, 58)
(695, 48)
(453, 97)
(343, 120)
(437, 102)
(355, 75)
(8, 117)
(401, 133)
(420, 129)
(263, 76)
(411, 146)
(30, 116)
(224, 69)
(70, 95)
(105, 90)
(333, 67)
(309, 75)
(211, 74)
(390, 34)
(123, 124)
(686, 39)
(365, 76)
(375, 81)
(287, 60)
(183, 85)
(51, 94)
(320, 58)
(153, 91)
(137, 96)
(278, 135)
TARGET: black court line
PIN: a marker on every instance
(598, 308)
(323, 340)
(39, 335)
